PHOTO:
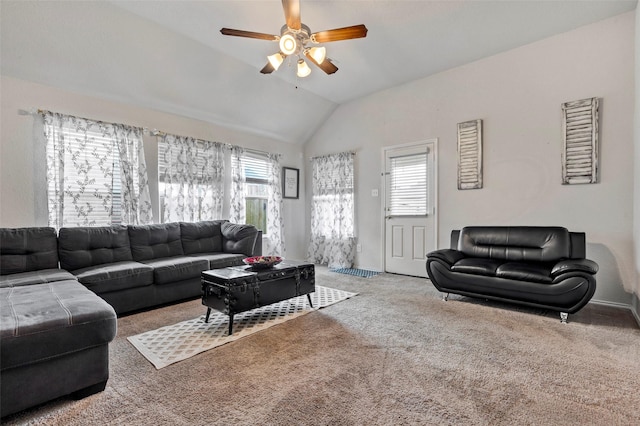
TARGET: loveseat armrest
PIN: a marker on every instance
(574, 265)
(239, 238)
(449, 256)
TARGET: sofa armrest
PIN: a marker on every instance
(448, 256)
(239, 238)
(574, 265)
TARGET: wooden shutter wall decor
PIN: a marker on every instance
(580, 141)
(470, 154)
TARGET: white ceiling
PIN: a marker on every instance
(170, 55)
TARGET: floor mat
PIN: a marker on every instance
(363, 273)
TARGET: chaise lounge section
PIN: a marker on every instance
(54, 332)
(543, 267)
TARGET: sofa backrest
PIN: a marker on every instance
(84, 246)
(27, 249)
(517, 243)
(155, 241)
(201, 237)
(239, 238)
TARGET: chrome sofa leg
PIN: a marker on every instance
(445, 297)
(563, 317)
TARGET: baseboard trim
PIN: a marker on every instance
(612, 304)
(633, 307)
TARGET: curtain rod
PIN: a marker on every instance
(41, 111)
(327, 155)
(146, 130)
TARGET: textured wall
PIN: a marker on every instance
(518, 95)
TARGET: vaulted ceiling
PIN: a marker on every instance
(170, 55)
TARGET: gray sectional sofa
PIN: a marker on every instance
(59, 296)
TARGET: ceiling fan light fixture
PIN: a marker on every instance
(276, 60)
(318, 54)
(288, 44)
(303, 68)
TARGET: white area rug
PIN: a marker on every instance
(173, 343)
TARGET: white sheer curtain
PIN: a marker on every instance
(237, 208)
(96, 173)
(136, 201)
(274, 243)
(191, 175)
(265, 172)
(332, 211)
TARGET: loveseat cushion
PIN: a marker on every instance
(81, 247)
(201, 237)
(42, 321)
(518, 244)
(35, 277)
(115, 276)
(540, 273)
(238, 238)
(27, 249)
(177, 268)
(155, 241)
(477, 266)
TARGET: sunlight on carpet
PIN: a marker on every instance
(363, 273)
(173, 343)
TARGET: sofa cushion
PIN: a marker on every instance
(27, 249)
(523, 243)
(35, 277)
(201, 237)
(221, 260)
(115, 276)
(42, 321)
(81, 247)
(536, 272)
(477, 266)
(177, 268)
(155, 241)
(238, 238)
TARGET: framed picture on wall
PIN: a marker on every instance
(290, 182)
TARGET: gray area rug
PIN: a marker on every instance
(394, 355)
(173, 343)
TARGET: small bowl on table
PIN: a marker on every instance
(262, 262)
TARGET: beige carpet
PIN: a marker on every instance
(395, 354)
(173, 343)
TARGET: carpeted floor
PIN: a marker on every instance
(396, 354)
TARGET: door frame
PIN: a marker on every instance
(434, 144)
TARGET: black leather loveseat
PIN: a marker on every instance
(541, 267)
(55, 322)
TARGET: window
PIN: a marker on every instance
(407, 189)
(95, 172)
(256, 174)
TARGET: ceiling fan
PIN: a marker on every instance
(296, 39)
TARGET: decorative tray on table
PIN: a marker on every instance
(262, 262)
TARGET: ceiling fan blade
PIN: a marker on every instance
(346, 33)
(292, 13)
(326, 65)
(268, 69)
(248, 34)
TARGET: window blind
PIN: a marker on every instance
(408, 189)
(89, 186)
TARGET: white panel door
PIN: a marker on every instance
(410, 224)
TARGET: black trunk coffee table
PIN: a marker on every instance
(242, 288)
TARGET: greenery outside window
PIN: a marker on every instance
(256, 174)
